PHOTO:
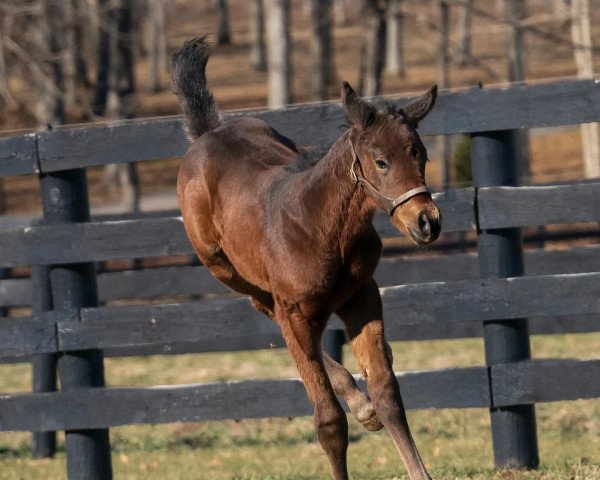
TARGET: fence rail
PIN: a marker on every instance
(316, 126)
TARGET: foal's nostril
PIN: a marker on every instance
(424, 225)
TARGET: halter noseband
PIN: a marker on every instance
(386, 203)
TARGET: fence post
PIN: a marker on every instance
(333, 341)
(494, 162)
(43, 365)
(65, 200)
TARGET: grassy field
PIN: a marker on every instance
(454, 443)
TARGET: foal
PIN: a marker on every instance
(298, 238)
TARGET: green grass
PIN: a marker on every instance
(454, 443)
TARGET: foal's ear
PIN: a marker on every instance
(416, 110)
(360, 112)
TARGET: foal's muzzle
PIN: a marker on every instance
(426, 229)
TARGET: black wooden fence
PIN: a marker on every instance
(560, 293)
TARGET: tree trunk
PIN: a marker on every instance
(91, 39)
(99, 104)
(443, 41)
(321, 48)
(444, 141)
(69, 53)
(120, 93)
(279, 53)
(581, 34)
(394, 58)
(4, 90)
(224, 35)
(49, 44)
(515, 12)
(82, 31)
(258, 50)
(373, 50)
(157, 45)
(340, 12)
(464, 26)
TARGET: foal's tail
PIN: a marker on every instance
(189, 83)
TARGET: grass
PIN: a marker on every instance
(454, 443)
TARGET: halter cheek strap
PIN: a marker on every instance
(385, 203)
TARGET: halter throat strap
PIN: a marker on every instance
(386, 203)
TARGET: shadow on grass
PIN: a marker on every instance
(22, 451)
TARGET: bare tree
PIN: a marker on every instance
(394, 58)
(69, 53)
(84, 34)
(340, 12)
(157, 43)
(322, 75)
(258, 50)
(115, 87)
(444, 80)
(464, 26)
(4, 90)
(373, 50)
(581, 34)
(224, 35)
(514, 14)
(279, 53)
(48, 45)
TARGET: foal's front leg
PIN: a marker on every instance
(344, 386)
(303, 338)
(364, 323)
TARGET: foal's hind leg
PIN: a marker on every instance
(364, 324)
(303, 337)
(344, 385)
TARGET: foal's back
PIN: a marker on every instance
(223, 184)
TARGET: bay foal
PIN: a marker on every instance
(298, 238)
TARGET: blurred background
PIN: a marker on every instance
(74, 61)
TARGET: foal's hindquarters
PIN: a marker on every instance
(298, 239)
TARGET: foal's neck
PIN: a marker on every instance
(343, 209)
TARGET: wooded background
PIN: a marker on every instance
(88, 60)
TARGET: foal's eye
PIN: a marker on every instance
(381, 164)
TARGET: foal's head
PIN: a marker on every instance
(389, 161)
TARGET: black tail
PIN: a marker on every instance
(189, 83)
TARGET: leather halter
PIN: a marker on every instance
(386, 203)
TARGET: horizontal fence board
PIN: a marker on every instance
(152, 236)
(316, 125)
(545, 381)
(406, 269)
(215, 322)
(554, 325)
(437, 331)
(28, 335)
(66, 148)
(14, 222)
(502, 207)
(491, 299)
(15, 292)
(18, 155)
(159, 282)
(94, 241)
(104, 407)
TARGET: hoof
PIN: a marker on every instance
(368, 418)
